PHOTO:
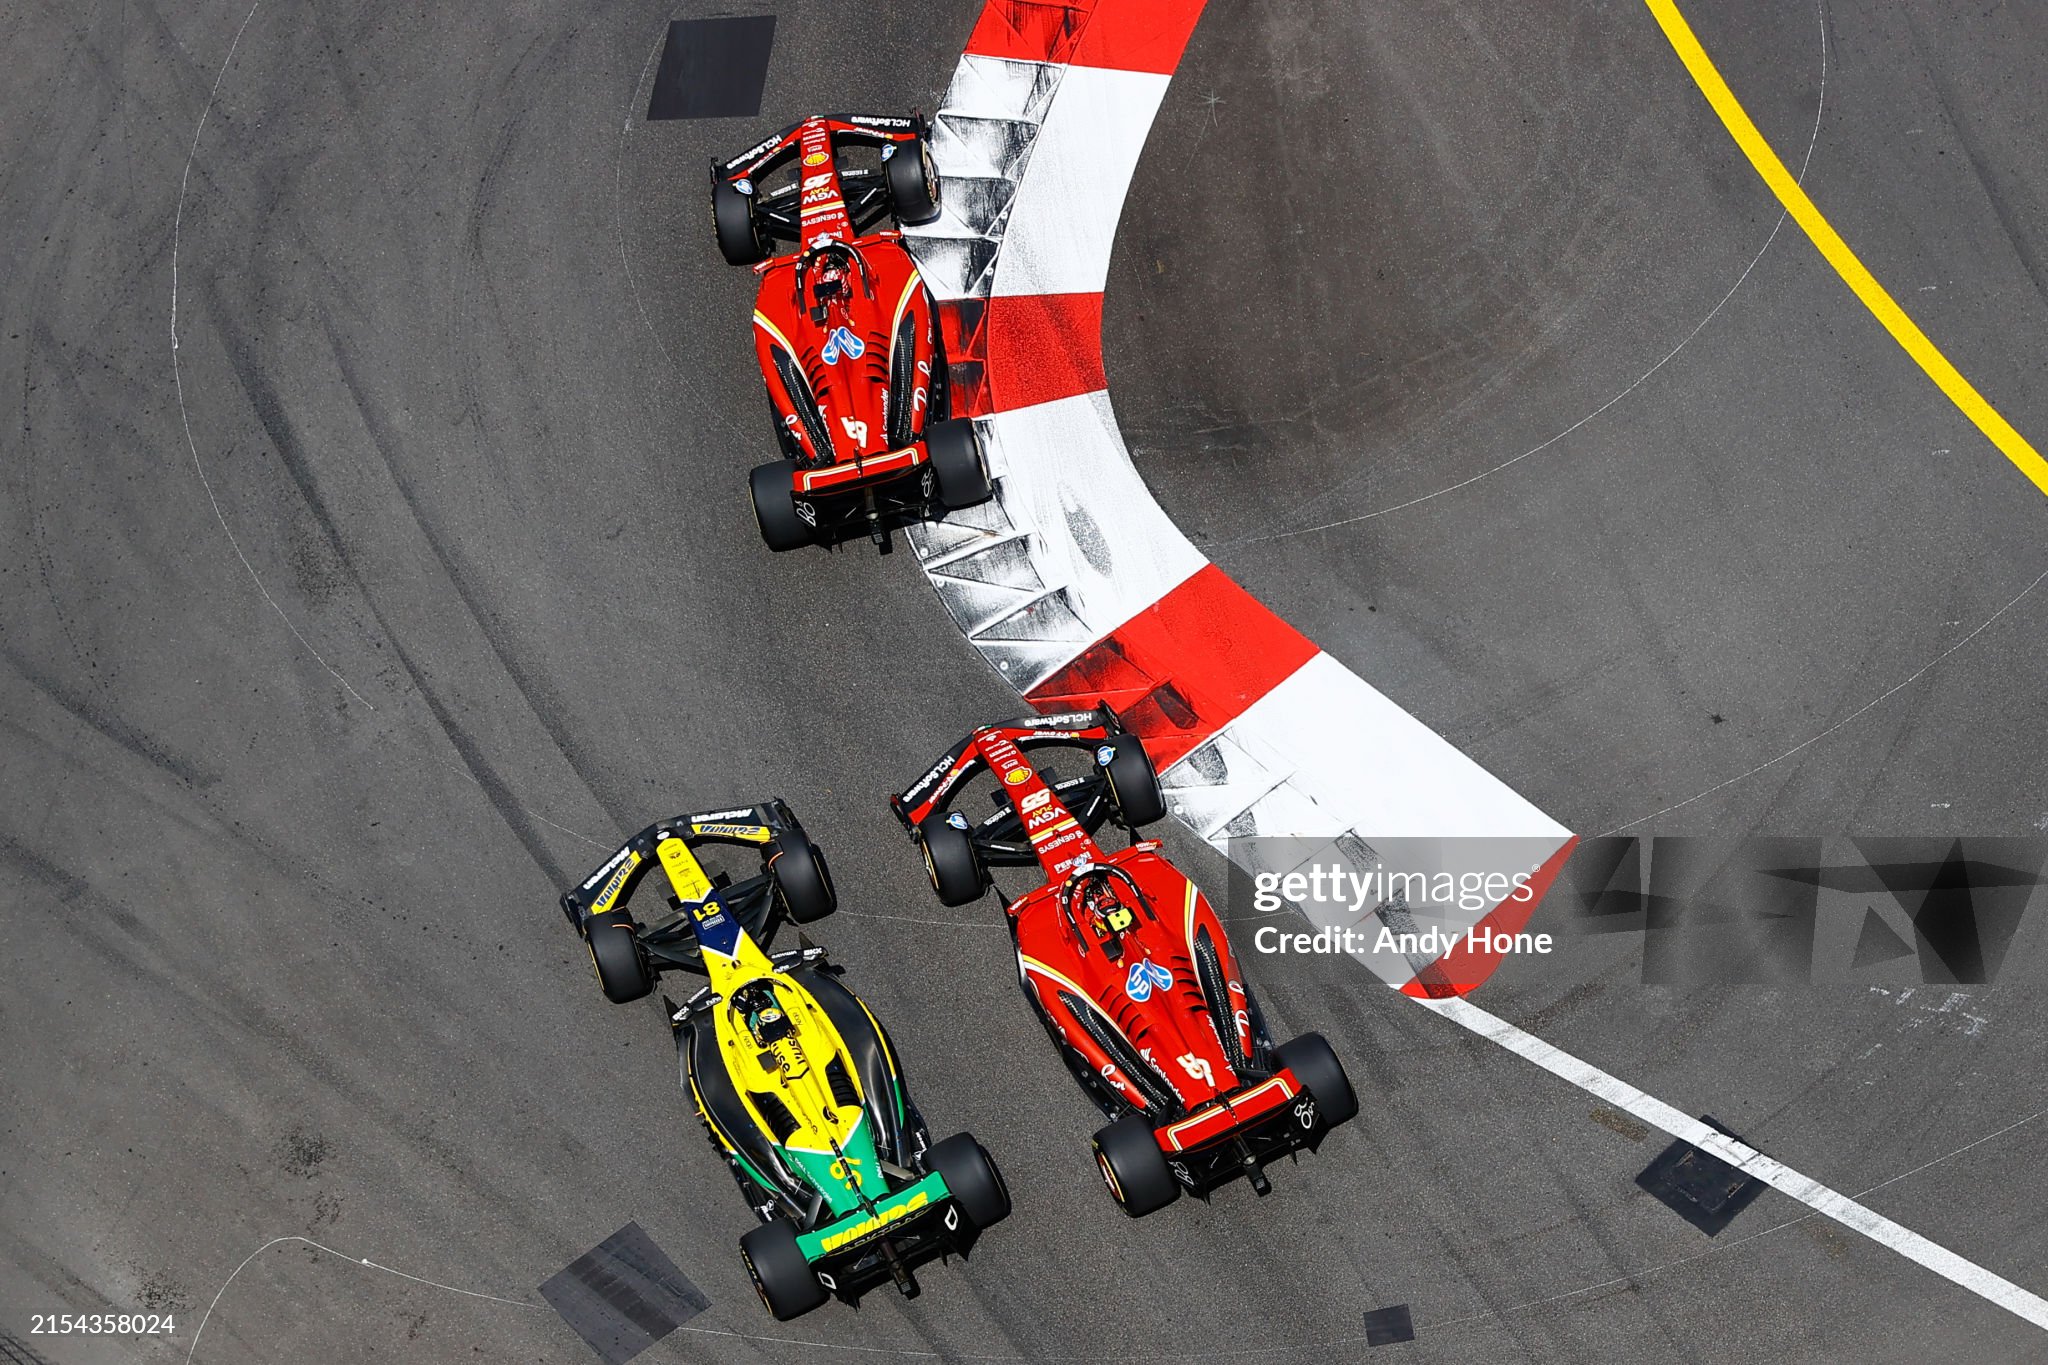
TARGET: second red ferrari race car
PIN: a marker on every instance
(845, 331)
(1125, 961)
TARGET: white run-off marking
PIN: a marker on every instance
(1747, 1159)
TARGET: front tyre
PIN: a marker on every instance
(787, 1285)
(913, 182)
(774, 492)
(1134, 782)
(1315, 1065)
(615, 953)
(804, 882)
(958, 466)
(951, 861)
(739, 233)
(1133, 1167)
(972, 1178)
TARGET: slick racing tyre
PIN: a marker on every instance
(971, 1175)
(1310, 1058)
(775, 506)
(615, 953)
(913, 182)
(782, 1277)
(1133, 1166)
(957, 463)
(1134, 782)
(804, 882)
(732, 214)
(951, 862)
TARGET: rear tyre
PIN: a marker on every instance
(970, 1174)
(957, 463)
(787, 1285)
(615, 953)
(1312, 1060)
(952, 863)
(1134, 782)
(804, 882)
(739, 235)
(1133, 1167)
(913, 182)
(775, 506)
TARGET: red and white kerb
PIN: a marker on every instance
(1072, 581)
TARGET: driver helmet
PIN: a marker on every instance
(1104, 907)
(831, 278)
(763, 1015)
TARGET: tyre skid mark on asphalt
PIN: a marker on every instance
(499, 797)
(178, 378)
(534, 693)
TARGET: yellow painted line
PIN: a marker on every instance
(1882, 306)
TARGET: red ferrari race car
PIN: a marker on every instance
(1125, 962)
(845, 331)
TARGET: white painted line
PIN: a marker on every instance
(207, 1316)
(1956, 1269)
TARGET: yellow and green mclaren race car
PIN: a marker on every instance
(795, 1080)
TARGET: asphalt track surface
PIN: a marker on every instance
(308, 717)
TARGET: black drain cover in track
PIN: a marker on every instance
(1386, 1326)
(713, 68)
(623, 1295)
(1699, 1187)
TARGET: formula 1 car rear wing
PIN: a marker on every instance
(670, 941)
(1000, 837)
